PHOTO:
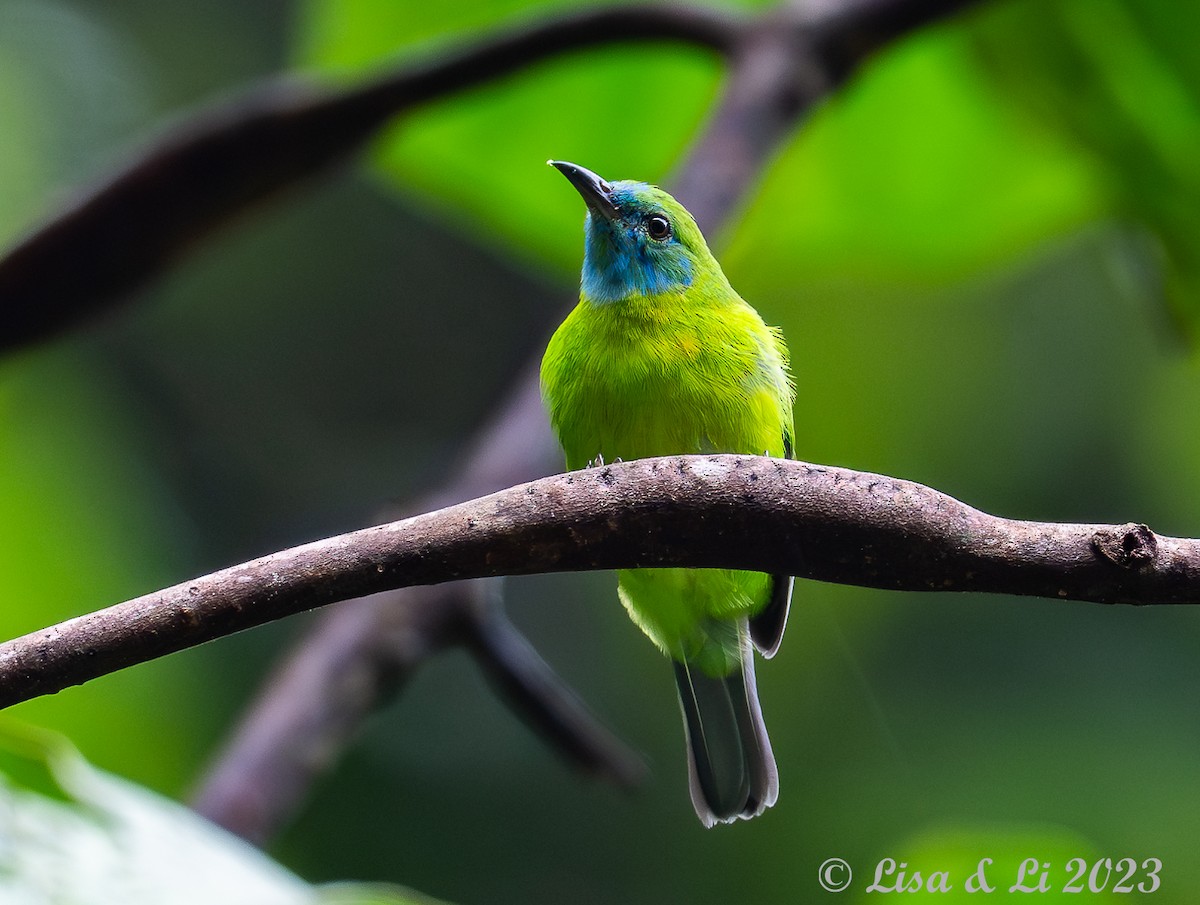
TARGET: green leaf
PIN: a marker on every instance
(913, 173)
(73, 835)
(1121, 79)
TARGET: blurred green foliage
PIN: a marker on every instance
(1122, 79)
(967, 250)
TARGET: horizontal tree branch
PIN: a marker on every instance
(745, 512)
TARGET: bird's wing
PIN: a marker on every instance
(766, 628)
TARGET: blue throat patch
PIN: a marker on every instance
(619, 261)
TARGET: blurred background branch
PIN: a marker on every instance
(216, 165)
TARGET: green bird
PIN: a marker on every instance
(662, 357)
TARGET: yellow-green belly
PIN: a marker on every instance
(624, 388)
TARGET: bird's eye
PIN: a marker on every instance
(659, 227)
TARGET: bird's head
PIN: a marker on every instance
(638, 239)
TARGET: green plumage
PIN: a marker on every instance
(662, 357)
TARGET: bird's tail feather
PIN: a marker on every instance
(731, 768)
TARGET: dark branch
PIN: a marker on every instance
(536, 693)
(739, 512)
(856, 29)
(127, 229)
(288, 740)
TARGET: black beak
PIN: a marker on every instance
(595, 191)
